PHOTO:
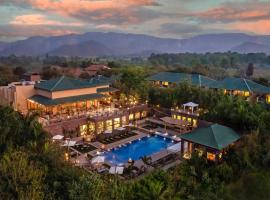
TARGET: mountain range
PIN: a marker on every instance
(94, 44)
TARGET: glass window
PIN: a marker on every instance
(116, 122)
(131, 117)
(109, 125)
(211, 156)
(194, 123)
(100, 127)
(83, 130)
(137, 115)
(179, 117)
(144, 114)
(124, 120)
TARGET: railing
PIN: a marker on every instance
(195, 113)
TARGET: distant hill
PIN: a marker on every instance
(84, 49)
(121, 44)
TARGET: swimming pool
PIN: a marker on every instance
(144, 147)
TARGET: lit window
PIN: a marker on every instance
(165, 83)
(246, 94)
(268, 99)
(116, 122)
(137, 115)
(194, 123)
(178, 117)
(131, 117)
(211, 156)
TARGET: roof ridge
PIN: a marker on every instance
(247, 85)
(57, 83)
(214, 135)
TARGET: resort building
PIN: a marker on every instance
(211, 141)
(230, 85)
(243, 87)
(171, 79)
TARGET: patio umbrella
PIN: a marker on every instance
(69, 143)
(98, 159)
(108, 131)
(121, 129)
(58, 137)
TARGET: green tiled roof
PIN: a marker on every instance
(65, 83)
(241, 84)
(50, 102)
(195, 79)
(215, 136)
(106, 89)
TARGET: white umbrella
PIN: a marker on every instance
(69, 143)
(175, 148)
(58, 137)
(121, 129)
(98, 159)
(108, 131)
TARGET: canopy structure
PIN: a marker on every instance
(175, 148)
(121, 129)
(173, 121)
(215, 136)
(58, 137)
(116, 170)
(190, 105)
(98, 159)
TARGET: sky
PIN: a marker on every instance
(20, 19)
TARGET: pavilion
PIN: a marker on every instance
(171, 79)
(243, 87)
(211, 141)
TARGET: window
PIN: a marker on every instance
(144, 114)
(100, 127)
(179, 117)
(246, 94)
(124, 120)
(131, 117)
(83, 130)
(211, 156)
(165, 83)
(194, 123)
(174, 116)
(109, 125)
(267, 98)
(137, 115)
(116, 122)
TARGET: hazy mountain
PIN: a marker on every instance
(84, 49)
(118, 44)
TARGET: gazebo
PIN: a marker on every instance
(210, 141)
(190, 105)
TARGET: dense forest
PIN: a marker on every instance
(32, 167)
(222, 60)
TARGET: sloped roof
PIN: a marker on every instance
(215, 136)
(242, 84)
(65, 83)
(195, 79)
(107, 89)
(50, 102)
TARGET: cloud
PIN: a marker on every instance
(258, 27)
(237, 11)
(95, 11)
(38, 19)
(21, 31)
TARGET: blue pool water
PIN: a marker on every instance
(144, 147)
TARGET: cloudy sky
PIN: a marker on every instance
(165, 18)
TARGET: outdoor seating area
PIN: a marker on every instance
(84, 148)
(117, 137)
